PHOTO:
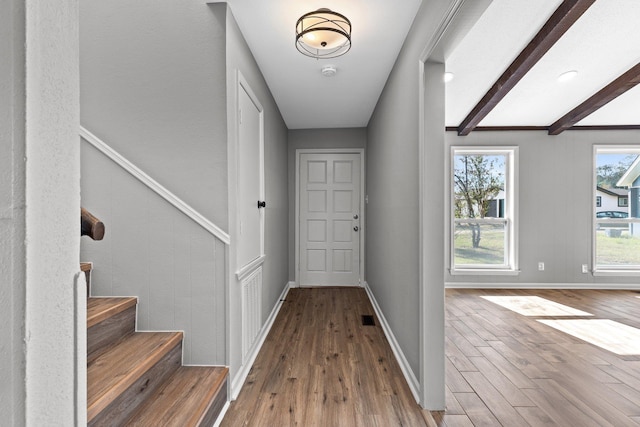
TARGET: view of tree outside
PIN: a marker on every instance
(479, 185)
(611, 167)
(615, 245)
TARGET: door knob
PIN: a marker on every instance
(355, 228)
(355, 216)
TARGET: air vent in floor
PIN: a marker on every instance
(367, 320)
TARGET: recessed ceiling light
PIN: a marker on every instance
(447, 77)
(569, 75)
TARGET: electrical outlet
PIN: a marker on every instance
(541, 266)
(585, 268)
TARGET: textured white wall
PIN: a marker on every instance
(52, 204)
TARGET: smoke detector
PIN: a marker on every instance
(329, 71)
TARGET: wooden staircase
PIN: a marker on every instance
(137, 378)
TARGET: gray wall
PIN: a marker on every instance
(153, 251)
(179, 126)
(12, 213)
(555, 194)
(153, 88)
(319, 139)
(240, 58)
(392, 185)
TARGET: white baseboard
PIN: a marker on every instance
(241, 376)
(412, 380)
(599, 286)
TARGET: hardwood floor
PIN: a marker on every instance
(320, 366)
(509, 369)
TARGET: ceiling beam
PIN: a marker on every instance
(605, 95)
(562, 19)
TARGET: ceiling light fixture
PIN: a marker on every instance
(448, 76)
(569, 75)
(323, 34)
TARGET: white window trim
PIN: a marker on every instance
(511, 206)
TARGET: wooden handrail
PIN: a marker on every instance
(90, 225)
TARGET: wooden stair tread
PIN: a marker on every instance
(99, 309)
(85, 266)
(114, 371)
(183, 399)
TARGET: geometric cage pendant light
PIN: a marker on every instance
(323, 34)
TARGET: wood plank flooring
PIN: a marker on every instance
(319, 366)
(508, 369)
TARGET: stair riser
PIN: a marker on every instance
(106, 333)
(119, 411)
(216, 407)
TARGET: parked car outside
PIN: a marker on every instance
(611, 214)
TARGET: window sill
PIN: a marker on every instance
(483, 272)
(616, 273)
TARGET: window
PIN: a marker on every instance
(616, 231)
(598, 201)
(623, 202)
(483, 210)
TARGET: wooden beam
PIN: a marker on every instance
(544, 128)
(605, 95)
(562, 19)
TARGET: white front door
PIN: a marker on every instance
(329, 219)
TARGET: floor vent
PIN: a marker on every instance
(367, 320)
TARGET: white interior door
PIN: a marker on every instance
(329, 219)
(250, 187)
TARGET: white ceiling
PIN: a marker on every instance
(305, 97)
(603, 44)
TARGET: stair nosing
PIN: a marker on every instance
(200, 410)
(103, 399)
(120, 305)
